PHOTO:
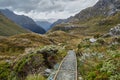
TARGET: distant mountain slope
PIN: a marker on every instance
(100, 18)
(23, 21)
(61, 21)
(58, 22)
(8, 28)
(44, 24)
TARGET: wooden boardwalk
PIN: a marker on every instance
(68, 68)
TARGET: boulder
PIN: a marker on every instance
(92, 40)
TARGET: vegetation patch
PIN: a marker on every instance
(99, 60)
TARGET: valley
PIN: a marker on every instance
(85, 46)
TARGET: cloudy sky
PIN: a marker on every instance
(47, 9)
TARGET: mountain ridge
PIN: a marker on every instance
(102, 7)
(23, 21)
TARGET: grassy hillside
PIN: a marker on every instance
(8, 28)
(17, 44)
(26, 56)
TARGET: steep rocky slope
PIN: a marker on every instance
(101, 8)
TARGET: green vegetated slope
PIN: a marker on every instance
(8, 28)
(15, 45)
(99, 60)
(26, 56)
(98, 24)
(31, 66)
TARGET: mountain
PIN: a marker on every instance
(23, 21)
(60, 21)
(101, 8)
(8, 27)
(44, 24)
(99, 18)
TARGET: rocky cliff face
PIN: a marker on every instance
(23, 21)
(101, 8)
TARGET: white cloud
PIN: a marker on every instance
(47, 9)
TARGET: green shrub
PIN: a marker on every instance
(13, 76)
(35, 77)
(101, 41)
(91, 76)
(97, 35)
(4, 70)
(27, 64)
(113, 47)
(52, 54)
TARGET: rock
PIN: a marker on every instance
(9, 61)
(29, 50)
(80, 78)
(92, 40)
(106, 35)
(47, 72)
(113, 31)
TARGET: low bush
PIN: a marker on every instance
(35, 77)
(4, 70)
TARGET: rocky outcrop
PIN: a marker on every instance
(115, 30)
